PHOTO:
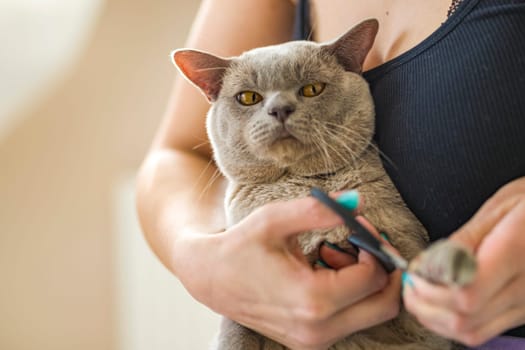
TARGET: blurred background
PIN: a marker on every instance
(83, 86)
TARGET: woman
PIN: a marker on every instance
(450, 116)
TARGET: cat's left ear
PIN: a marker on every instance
(202, 69)
(353, 46)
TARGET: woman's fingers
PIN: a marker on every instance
(462, 310)
(469, 330)
(370, 311)
(329, 304)
(502, 302)
(430, 315)
(348, 285)
(379, 307)
(510, 318)
(336, 257)
(300, 215)
(325, 291)
(280, 220)
(357, 280)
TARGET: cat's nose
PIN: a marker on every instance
(281, 112)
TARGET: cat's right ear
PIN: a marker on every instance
(202, 69)
(353, 46)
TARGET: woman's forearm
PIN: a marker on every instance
(172, 203)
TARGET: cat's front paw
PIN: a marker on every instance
(445, 262)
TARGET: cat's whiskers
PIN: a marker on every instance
(312, 30)
(216, 174)
(342, 140)
(319, 143)
(339, 139)
(200, 145)
(355, 134)
(321, 132)
(338, 156)
(343, 137)
(316, 141)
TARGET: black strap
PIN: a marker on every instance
(302, 27)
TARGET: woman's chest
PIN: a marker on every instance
(403, 23)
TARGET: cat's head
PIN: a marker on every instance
(298, 107)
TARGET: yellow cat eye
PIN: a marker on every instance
(311, 90)
(248, 98)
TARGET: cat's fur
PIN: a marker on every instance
(328, 145)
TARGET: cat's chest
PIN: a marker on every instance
(242, 199)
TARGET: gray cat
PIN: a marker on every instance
(290, 117)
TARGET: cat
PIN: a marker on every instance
(289, 117)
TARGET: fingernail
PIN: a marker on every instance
(349, 199)
(337, 248)
(385, 236)
(321, 263)
(406, 279)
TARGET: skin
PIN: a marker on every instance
(179, 202)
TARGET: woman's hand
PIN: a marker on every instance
(255, 274)
(494, 302)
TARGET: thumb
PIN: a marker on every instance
(289, 218)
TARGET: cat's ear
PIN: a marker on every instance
(352, 47)
(202, 69)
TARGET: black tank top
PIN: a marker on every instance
(450, 112)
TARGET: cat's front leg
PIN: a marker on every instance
(445, 262)
(311, 241)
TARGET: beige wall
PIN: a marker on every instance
(57, 170)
